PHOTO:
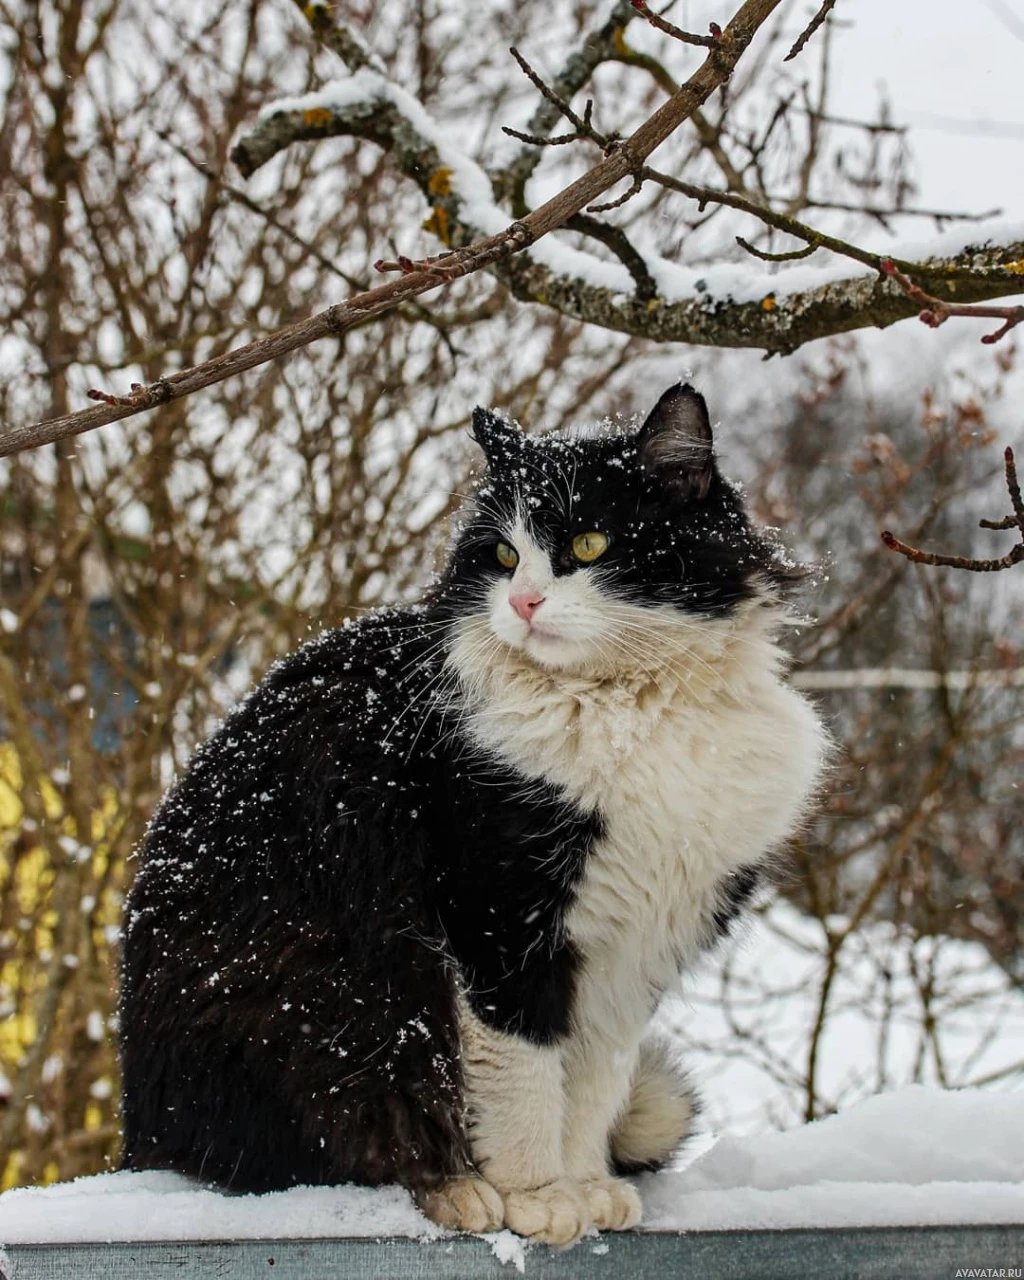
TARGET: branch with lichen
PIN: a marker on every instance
(779, 321)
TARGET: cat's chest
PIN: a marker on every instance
(687, 790)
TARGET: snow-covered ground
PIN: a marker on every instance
(917, 1156)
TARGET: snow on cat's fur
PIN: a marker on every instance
(410, 911)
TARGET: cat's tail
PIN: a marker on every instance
(659, 1114)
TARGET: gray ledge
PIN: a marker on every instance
(861, 1253)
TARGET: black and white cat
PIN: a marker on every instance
(408, 914)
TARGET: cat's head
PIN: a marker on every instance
(582, 552)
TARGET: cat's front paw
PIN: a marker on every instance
(465, 1204)
(556, 1213)
(613, 1204)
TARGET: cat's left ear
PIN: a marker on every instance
(675, 442)
(496, 436)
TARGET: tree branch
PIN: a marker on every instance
(1015, 521)
(624, 161)
(778, 321)
(937, 310)
(826, 8)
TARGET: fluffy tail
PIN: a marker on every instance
(659, 1114)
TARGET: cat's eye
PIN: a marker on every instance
(507, 556)
(588, 546)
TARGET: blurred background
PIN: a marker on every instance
(151, 570)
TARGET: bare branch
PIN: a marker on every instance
(677, 33)
(332, 322)
(808, 31)
(792, 256)
(1014, 556)
(937, 310)
(623, 161)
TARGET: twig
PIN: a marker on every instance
(584, 127)
(939, 215)
(1014, 556)
(638, 182)
(677, 33)
(937, 312)
(792, 256)
(576, 71)
(441, 264)
(808, 31)
(582, 124)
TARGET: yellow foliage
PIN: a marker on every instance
(440, 182)
(438, 224)
(12, 1171)
(29, 880)
(316, 117)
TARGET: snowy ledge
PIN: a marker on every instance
(918, 1182)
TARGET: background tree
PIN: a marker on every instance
(150, 569)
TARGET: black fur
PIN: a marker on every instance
(338, 855)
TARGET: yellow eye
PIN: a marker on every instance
(588, 546)
(507, 556)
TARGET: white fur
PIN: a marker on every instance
(515, 1100)
(680, 732)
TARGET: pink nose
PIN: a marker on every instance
(526, 603)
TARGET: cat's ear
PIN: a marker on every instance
(675, 442)
(496, 436)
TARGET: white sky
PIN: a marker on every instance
(954, 71)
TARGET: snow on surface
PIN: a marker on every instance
(168, 1206)
(916, 1156)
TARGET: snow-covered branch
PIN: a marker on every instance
(724, 305)
(470, 253)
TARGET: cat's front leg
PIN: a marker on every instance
(598, 1088)
(599, 1059)
(515, 1104)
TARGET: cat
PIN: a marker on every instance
(408, 914)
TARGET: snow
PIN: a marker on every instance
(168, 1206)
(917, 1156)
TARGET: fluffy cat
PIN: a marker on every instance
(409, 912)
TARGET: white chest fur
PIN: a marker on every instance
(697, 766)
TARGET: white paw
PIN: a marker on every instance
(554, 1214)
(466, 1204)
(613, 1204)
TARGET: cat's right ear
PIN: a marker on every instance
(498, 438)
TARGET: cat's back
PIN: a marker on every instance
(290, 782)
